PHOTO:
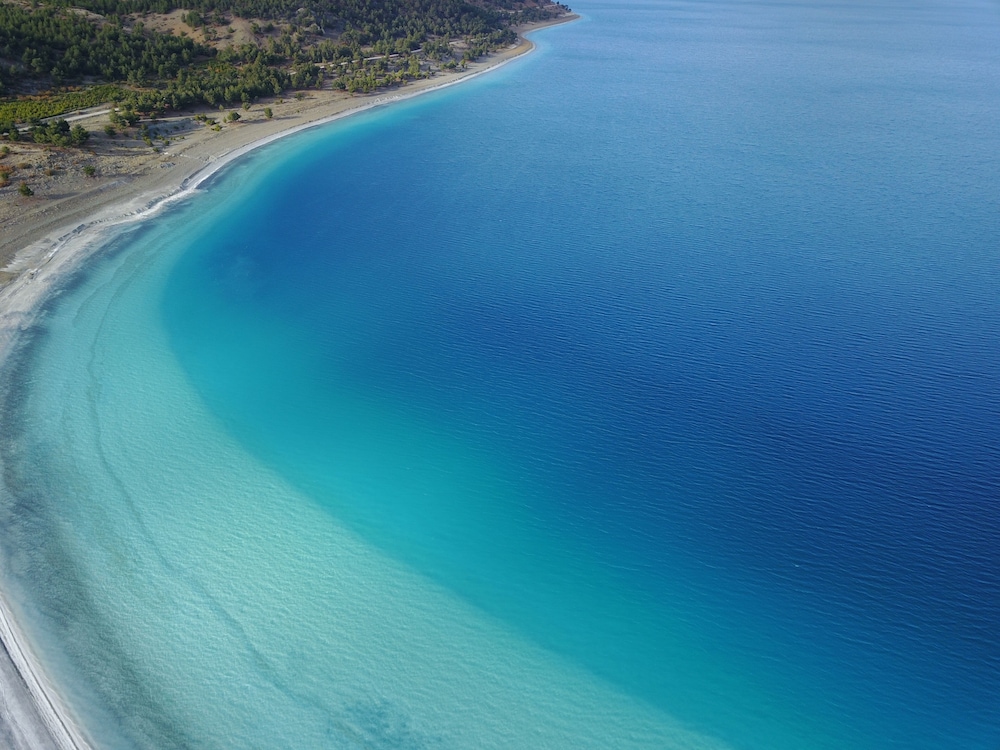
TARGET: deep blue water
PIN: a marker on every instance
(709, 292)
(673, 348)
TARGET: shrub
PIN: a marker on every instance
(79, 135)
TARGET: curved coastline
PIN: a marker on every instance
(33, 714)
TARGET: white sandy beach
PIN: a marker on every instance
(42, 239)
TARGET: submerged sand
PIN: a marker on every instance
(45, 236)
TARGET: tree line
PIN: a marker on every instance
(354, 45)
(65, 46)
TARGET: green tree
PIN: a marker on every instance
(79, 135)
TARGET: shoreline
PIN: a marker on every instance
(49, 245)
(145, 178)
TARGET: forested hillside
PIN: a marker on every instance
(156, 55)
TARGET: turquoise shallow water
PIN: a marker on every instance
(643, 393)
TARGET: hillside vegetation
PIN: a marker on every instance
(150, 56)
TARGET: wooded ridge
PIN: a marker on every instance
(151, 56)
